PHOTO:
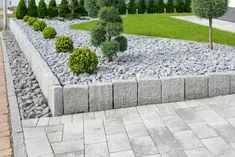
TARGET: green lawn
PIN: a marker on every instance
(163, 25)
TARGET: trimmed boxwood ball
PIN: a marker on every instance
(110, 48)
(64, 44)
(83, 60)
(39, 25)
(25, 18)
(31, 20)
(122, 42)
(49, 33)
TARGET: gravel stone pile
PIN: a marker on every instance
(32, 102)
(145, 57)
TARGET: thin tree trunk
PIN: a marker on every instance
(210, 34)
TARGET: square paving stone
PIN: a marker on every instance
(34, 132)
(223, 110)
(128, 153)
(119, 142)
(143, 146)
(73, 132)
(114, 127)
(152, 120)
(66, 119)
(174, 123)
(173, 150)
(54, 128)
(165, 109)
(96, 150)
(188, 115)
(68, 147)
(55, 136)
(227, 132)
(43, 121)
(198, 152)
(74, 154)
(55, 121)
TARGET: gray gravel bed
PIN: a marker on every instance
(32, 102)
(145, 57)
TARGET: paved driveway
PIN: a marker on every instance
(197, 128)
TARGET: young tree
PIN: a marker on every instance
(141, 7)
(209, 9)
(21, 10)
(107, 3)
(92, 7)
(187, 6)
(122, 7)
(179, 6)
(170, 6)
(82, 10)
(160, 6)
(52, 9)
(106, 33)
(63, 8)
(32, 9)
(131, 7)
(74, 7)
(151, 7)
(42, 9)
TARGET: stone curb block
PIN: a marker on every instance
(124, 93)
(44, 75)
(196, 87)
(232, 82)
(75, 98)
(100, 96)
(149, 91)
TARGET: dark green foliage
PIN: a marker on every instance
(170, 6)
(108, 3)
(42, 9)
(113, 29)
(39, 25)
(49, 33)
(98, 35)
(82, 10)
(21, 10)
(32, 9)
(160, 6)
(187, 6)
(109, 14)
(179, 6)
(141, 7)
(151, 7)
(74, 8)
(131, 7)
(122, 42)
(122, 7)
(63, 8)
(64, 44)
(31, 20)
(26, 17)
(110, 48)
(52, 9)
(83, 60)
(92, 7)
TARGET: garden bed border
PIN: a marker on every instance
(71, 99)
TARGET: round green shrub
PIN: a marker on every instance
(83, 60)
(110, 48)
(25, 18)
(49, 33)
(31, 20)
(122, 42)
(39, 25)
(64, 44)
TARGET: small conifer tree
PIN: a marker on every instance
(21, 10)
(151, 8)
(42, 9)
(160, 6)
(52, 9)
(122, 7)
(32, 9)
(141, 7)
(131, 7)
(170, 6)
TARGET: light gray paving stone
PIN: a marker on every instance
(77, 118)
(149, 91)
(174, 123)
(100, 115)
(96, 150)
(143, 146)
(121, 112)
(100, 96)
(172, 150)
(38, 146)
(94, 132)
(172, 89)
(74, 154)
(227, 132)
(119, 142)
(219, 84)
(188, 115)
(114, 127)
(223, 110)
(66, 119)
(55, 121)
(34, 132)
(43, 121)
(165, 109)
(125, 93)
(55, 136)
(198, 152)
(196, 87)
(231, 121)
(187, 139)
(75, 98)
(218, 147)
(68, 147)
(48, 155)
(162, 136)
(152, 120)
(89, 116)
(147, 109)
(29, 123)
(192, 103)
(54, 128)
(232, 144)
(131, 110)
(73, 132)
(110, 114)
(155, 155)
(179, 105)
(202, 130)
(128, 153)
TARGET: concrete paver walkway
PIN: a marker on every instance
(197, 128)
(219, 24)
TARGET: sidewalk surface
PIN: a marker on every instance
(5, 134)
(219, 24)
(197, 128)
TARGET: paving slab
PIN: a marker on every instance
(197, 152)
(119, 142)
(97, 150)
